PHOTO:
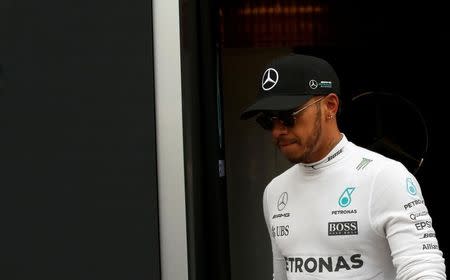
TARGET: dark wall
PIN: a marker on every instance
(78, 189)
(206, 193)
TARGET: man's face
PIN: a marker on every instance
(300, 142)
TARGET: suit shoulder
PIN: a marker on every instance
(376, 160)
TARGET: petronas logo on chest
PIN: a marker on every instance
(346, 197)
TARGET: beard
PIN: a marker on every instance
(310, 143)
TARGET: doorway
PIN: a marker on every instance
(376, 46)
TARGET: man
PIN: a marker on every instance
(342, 211)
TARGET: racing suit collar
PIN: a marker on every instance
(332, 157)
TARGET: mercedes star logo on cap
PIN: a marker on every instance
(313, 84)
(270, 79)
(282, 201)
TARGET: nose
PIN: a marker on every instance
(278, 129)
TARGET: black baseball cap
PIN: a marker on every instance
(289, 81)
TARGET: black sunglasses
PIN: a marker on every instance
(267, 119)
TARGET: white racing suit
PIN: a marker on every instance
(353, 215)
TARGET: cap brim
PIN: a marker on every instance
(274, 103)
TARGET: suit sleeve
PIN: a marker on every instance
(398, 213)
(279, 263)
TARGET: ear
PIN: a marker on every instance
(331, 104)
